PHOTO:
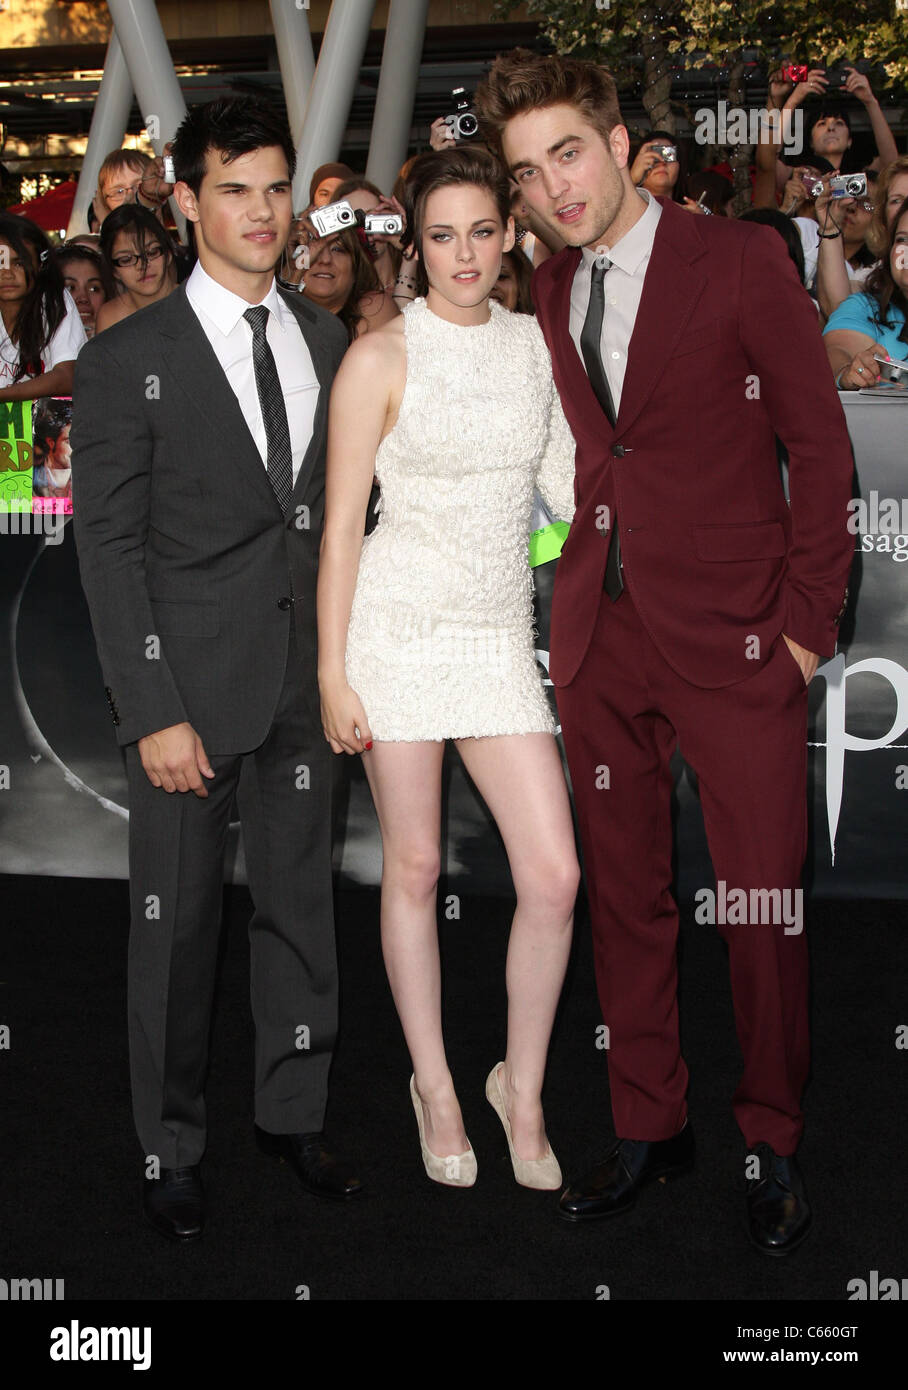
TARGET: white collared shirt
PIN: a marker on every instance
(220, 312)
(623, 288)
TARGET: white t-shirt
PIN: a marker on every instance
(63, 347)
(810, 244)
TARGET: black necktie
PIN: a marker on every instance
(590, 346)
(271, 402)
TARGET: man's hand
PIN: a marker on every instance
(808, 661)
(173, 759)
(441, 136)
(815, 86)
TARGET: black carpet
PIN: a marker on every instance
(72, 1164)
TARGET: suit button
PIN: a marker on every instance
(618, 451)
(284, 604)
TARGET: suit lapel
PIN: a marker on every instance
(324, 370)
(671, 288)
(572, 364)
(197, 370)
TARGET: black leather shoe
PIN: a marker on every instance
(778, 1214)
(613, 1184)
(318, 1170)
(173, 1203)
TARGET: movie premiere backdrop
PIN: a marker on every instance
(62, 782)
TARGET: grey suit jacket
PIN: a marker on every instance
(186, 559)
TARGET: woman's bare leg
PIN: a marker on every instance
(522, 782)
(405, 779)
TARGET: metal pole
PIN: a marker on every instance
(339, 60)
(108, 126)
(138, 28)
(296, 59)
(396, 91)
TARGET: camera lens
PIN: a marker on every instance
(468, 125)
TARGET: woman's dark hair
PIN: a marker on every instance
(716, 190)
(64, 254)
(523, 274)
(51, 418)
(881, 287)
(232, 126)
(666, 138)
(354, 185)
(449, 169)
(138, 223)
(43, 309)
(771, 217)
(365, 280)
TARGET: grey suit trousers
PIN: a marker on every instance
(176, 854)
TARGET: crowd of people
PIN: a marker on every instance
(846, 248)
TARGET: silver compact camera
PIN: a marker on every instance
(383, 223)
(667, 153)
(335, 217)
(462, 123)
(848, 186)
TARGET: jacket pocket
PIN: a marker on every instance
(199, 617)
(748, 540)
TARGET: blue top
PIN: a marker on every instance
(856, 313)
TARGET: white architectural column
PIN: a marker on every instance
(108, 126)
(396, 91)
(296, 59)
(138, 27)
(339, 61)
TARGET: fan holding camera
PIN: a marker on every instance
(829, 134)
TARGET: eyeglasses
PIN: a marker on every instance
(121, 193)
(154, 253)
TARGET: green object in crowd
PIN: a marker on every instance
(546, 544)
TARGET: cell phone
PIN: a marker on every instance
(169, 174)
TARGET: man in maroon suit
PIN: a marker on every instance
(691, 606)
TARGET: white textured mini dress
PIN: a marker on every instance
(440, 642)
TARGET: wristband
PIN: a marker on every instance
(829, 236)
(841, 371)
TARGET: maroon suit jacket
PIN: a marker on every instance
(726, 353)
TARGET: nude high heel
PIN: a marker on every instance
(543, 1173)
(453, 1170)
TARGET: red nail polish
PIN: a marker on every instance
(369, 744)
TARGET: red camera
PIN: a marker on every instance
(795, 73)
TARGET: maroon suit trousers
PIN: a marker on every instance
(622, 716)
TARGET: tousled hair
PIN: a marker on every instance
(232, 126)
(521, 81)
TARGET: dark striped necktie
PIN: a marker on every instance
(271, 403)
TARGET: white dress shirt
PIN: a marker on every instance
(623, 287)
(220, 312)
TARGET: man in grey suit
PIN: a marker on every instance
(199, 444)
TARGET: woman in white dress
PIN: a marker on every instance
(425, 632)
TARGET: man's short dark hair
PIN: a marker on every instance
(232, 126)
